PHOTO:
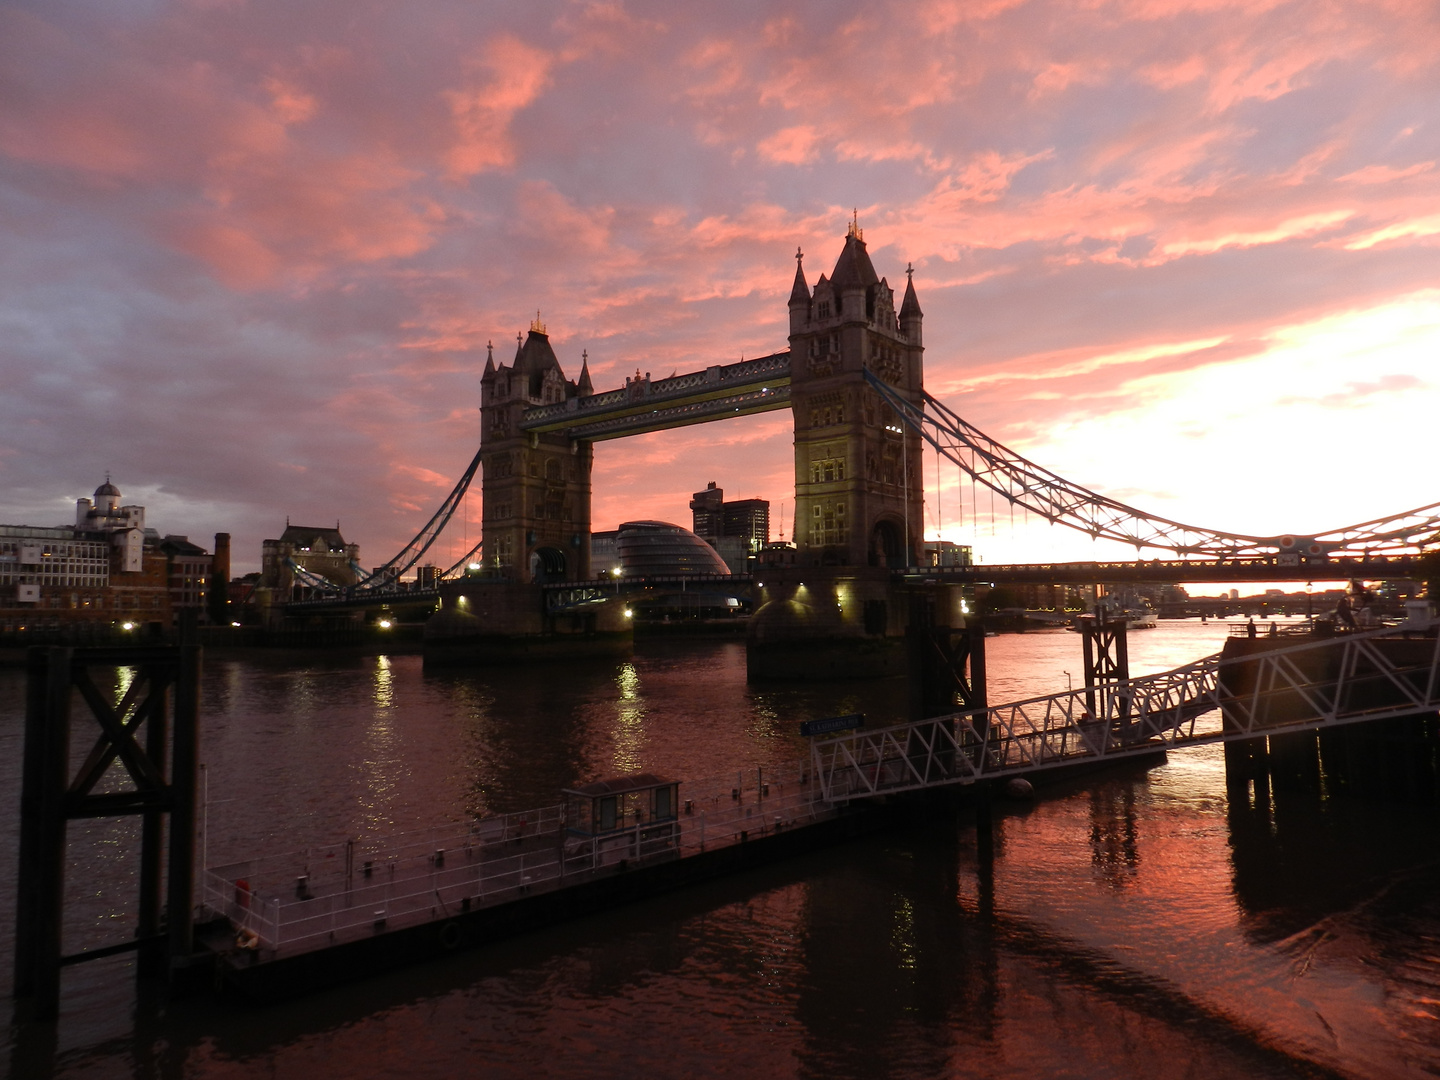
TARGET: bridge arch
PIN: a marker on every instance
(547, 564)
(887, 542)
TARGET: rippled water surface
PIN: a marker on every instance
(1134, 925)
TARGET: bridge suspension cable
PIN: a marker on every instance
(388, 574)
(1056, 499)
(464, 560)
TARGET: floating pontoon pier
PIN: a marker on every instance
(285, 924)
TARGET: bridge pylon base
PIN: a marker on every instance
(487, 623)
(842, 622)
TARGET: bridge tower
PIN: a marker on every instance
(536, 485)
(859, 495)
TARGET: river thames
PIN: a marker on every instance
(1137, 923)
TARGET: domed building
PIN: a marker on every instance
(125, 524)
(108, 569)
(660, 549)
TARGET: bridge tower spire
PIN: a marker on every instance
(536, 485)
(859, 495)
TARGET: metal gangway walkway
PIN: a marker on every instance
(1320, 683)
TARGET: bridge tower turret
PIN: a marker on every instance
(799, 297)
(859, 495)
(535, 488)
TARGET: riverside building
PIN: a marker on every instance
(107, 568)
(737, 529)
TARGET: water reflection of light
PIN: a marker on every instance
(629, 733)
(384, 684)
(124, 679)
(902, 935)
(381, 767)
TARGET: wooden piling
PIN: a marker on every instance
(50, 798)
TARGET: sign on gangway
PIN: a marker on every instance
(832, 723)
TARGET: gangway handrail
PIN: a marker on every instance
(1132, 716)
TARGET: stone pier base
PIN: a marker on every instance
(492, 623)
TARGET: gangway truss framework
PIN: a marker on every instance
(1129, 718)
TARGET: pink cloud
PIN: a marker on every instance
(791, 146)
(1279, 232)
(515, 74)
(1385, 174)
(1420, 228)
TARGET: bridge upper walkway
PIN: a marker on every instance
(722, 390)
(1320, 683)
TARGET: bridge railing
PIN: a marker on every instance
(1020, 736)
(1277, 687)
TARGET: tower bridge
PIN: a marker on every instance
(853, 381)
(858, 470)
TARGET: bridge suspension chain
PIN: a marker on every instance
(464, 560)
(1056, 499)
(387, 575)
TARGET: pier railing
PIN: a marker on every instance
(300, 901)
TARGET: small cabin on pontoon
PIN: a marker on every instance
(610, 806)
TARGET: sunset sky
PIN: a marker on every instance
(251, 251)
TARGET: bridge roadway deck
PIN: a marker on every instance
(558, 594)
(1176, 571)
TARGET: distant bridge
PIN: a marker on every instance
(1154, 571)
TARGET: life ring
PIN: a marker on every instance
(450, 936)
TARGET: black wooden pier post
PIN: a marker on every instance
(1107, 660)
(945, 665)
(52, 795)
